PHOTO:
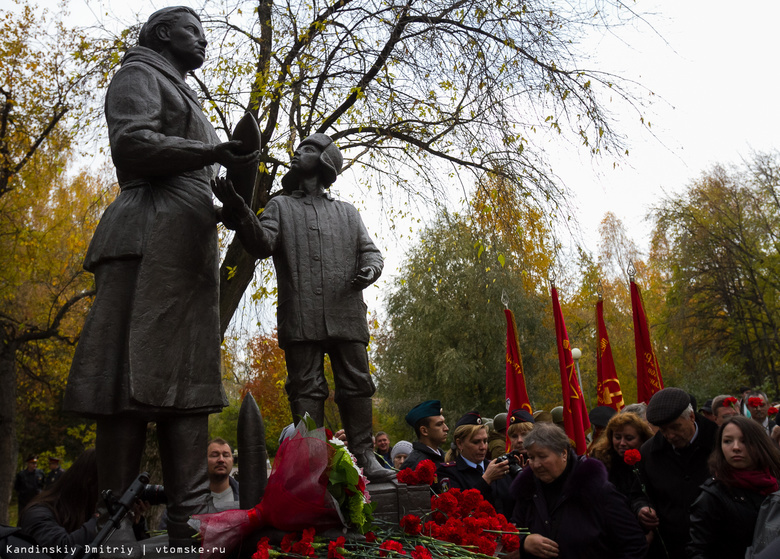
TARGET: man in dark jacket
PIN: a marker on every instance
(674, 466)
(431, 430)
(758, 405)
(55, 472)
(324, 259)
(28, 482)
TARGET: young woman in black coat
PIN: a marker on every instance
(64, 514)
(745, 466)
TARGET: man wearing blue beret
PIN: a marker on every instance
(431, 430)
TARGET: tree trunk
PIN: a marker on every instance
(8, 444)
(231, 290)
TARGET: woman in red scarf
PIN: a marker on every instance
(745, 466)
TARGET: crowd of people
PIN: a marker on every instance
(663, 480)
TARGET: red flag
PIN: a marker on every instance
(516, 392)
(575, 414)
(648, 375)
(608, 387)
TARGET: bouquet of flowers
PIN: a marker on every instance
(314, 483)
(423, 474)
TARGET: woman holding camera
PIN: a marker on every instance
(465, 465)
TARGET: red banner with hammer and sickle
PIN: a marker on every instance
(608, 386)
(516, 392)
(648, 375)
(575, 413)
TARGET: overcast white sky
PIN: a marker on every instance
(711, 65)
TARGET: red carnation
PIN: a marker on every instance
(391, 545)
(755, 402)
(407, 476)
(432, 529)
(411, 524)
(334, 548)
(262, 549)
(426, 472)
(486, 545)
(446, 503)
(421, 552)
(511, 542)
(370, 537)
(304, 548)
(772, 411)
(469, 500)
(632, 457)
(287, 542)
(730, 401)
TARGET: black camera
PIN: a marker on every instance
(155, 494)
(514, 462)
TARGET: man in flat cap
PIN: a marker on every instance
(674, 465)
(428, 423)
(324, 259)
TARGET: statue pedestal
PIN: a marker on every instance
(395, 500)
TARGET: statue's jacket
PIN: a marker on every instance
(318, 246)
(164, 220)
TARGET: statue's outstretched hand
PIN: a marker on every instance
(365, 277)
(225, 193)
(230, 155)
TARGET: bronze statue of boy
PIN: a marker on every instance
(324, 258)
(150, 348)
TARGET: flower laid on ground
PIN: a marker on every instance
(391, 545)
(460, 524)
(315, 484)
(411, 524)
(423, 474)
(466, 519)
(336, 548)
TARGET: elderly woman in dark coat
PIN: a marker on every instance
(568, 505)
(745, 466)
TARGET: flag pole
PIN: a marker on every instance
(576, 353)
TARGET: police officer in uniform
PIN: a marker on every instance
(467, 467)
(55, 472)
(431, 430)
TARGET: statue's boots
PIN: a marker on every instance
(315, 408)
(356, 415)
